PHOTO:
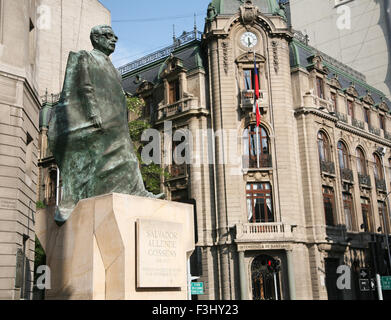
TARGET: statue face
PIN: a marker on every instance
(106, 41)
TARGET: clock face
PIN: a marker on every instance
(249, 39)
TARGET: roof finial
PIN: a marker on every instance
(195, 24)
(173, 33)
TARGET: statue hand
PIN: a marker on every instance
(97, 121)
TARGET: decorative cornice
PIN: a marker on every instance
(343, 126)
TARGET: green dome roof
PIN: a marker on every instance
(232, 6)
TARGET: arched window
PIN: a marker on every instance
(251, 144)
(361, 163)
(323, 147)
(377, 168)
(343, 156)
(259, 202)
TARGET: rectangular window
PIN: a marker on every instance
(382, 122)
(259, 203)
(329, 205)
(248, 79)
(383, 211)
(366, 214)
(334, 99)
(319, 87)
(366, 115)
(348, 210)
(173, 91)
(350, 109)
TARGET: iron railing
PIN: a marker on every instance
(186, 37)
(327, 166)
(364, 180)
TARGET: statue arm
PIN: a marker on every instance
(87, 91)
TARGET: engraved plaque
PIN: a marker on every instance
(160, 254)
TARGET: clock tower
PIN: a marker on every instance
(238, 36)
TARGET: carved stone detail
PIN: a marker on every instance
(275, 56)
(248, 13)
(225, 57)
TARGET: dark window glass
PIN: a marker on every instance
(366, 115)
(329, 207)
(248, 79)
(334, 99)
(378, 168)
(252, 144)
(366, 214)
(382, 122)
(319, 87)
(350, 109)
(343, 156)
(173, 91)
(323, 147)
(348, 210)
(361, 163)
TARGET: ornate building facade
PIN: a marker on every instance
(19, 112)
(314, 199)
(35, 39)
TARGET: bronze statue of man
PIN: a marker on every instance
(88, 133)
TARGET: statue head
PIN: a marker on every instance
(103, 39)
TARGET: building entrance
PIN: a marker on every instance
(265, 282)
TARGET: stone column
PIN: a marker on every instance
(291, 275)
(243, 277)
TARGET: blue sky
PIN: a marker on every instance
(146, 26)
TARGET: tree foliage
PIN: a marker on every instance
(151, 173)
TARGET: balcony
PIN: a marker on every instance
(358, 124)
(373, 130)
(346, 174)
(341, 117)
(327, 167)
(178, 171)
(387, 135)
(274, 231)
(247, 99)
(364, 180)
(380, 184)
(265, 161)
(177, 108)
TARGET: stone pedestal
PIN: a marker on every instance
(119, 247)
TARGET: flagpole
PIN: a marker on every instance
(257, 147)
(255, 107)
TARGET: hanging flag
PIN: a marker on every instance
(256, 106)
(256, 92)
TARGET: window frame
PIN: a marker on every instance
(173, 91)
(361, 162)
(347, 200)
(367, 116)
(343, 152)
(250, 142)
(378, 167)
(329, 198)
(367, 221)
(333, 96)
(261, 193)
(325, 147)
(320, 87)
(350, 108)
